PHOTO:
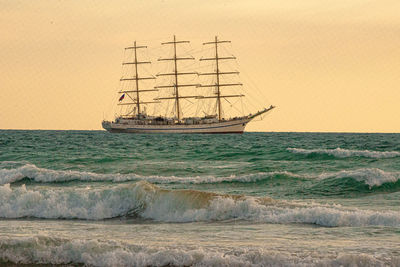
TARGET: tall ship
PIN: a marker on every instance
(172, 99)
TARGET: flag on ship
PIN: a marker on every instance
(122, 97)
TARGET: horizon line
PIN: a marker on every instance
(100, 130)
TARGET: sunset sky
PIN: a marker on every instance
(328, 65)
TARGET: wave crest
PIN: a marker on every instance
(36, 174)
(373, 177)
(46, 175)
(151, 202)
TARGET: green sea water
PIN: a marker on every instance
(262, 199)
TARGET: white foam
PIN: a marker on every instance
(346, 153)
(370, 176)
(47, 250)
(20, 202)
(151, 202)
(46, 175)
(222, 208)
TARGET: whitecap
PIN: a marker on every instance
(370, 176)
(37, 174)
(151, 202)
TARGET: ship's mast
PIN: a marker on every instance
(217, 74)
(176, 73)
(136, 101)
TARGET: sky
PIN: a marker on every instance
(328, 65)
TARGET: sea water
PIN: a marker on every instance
(255, 199)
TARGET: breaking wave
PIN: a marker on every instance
(47, 250)
(346, 153)
(147, 201)
(373, 177)
(36, 174)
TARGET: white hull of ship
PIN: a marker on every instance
(232, 126)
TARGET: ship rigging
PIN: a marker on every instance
(136, 120)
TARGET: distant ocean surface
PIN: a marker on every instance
(255, 199)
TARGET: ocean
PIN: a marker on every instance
(253, 199)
